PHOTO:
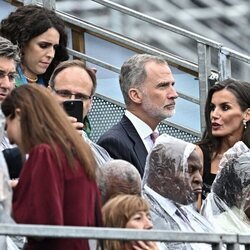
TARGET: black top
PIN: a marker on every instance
(207, 177)
(14, 160)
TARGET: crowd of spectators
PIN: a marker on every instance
(133, 177)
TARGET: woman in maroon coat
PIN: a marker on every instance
(57, 183)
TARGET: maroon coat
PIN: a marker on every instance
(50, 194)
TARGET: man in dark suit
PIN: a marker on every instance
(147, 85)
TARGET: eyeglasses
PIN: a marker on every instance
(67, 94)
(11, 75)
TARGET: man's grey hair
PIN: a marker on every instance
(9, 50)
(133, 73)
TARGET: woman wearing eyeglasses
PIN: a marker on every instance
(40, 35)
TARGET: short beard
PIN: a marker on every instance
(158, 115)
(170, 114)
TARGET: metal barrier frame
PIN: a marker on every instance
(217, 241)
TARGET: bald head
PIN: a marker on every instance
(119, 177)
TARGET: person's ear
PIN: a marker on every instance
(91, 103)
(18, 114)
(135, 95)
(247, 114)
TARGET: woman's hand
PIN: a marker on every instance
(13, 182)
(145, 245)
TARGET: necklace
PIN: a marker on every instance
(31, 80)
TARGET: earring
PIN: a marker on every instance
(245, 123)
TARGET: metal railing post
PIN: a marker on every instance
(244, 240)
(26, 2)
(217, 246)
(224, 64)
(49, 4)
(247, 247)
(233, 246)
(204, 69)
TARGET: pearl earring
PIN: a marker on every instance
(245, 123)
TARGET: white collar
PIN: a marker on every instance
(141, 127)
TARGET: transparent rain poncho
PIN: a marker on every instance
(100, 154)
(167, 187)
(227, 207)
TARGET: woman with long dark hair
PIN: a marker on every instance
(227, 114)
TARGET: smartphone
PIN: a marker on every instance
(74, 108)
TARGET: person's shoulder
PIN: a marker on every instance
(123, 126)
(115, 140)
(41, 149)
(114, 132)
(45, 154)
(42, 146)
(112, 136)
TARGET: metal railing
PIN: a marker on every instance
(217, 241)
(198, 38)
(204, 46)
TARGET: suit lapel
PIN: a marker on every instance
(139, 147)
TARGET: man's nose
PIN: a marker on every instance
(197, 180)
(172, 93)
(6, 83)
